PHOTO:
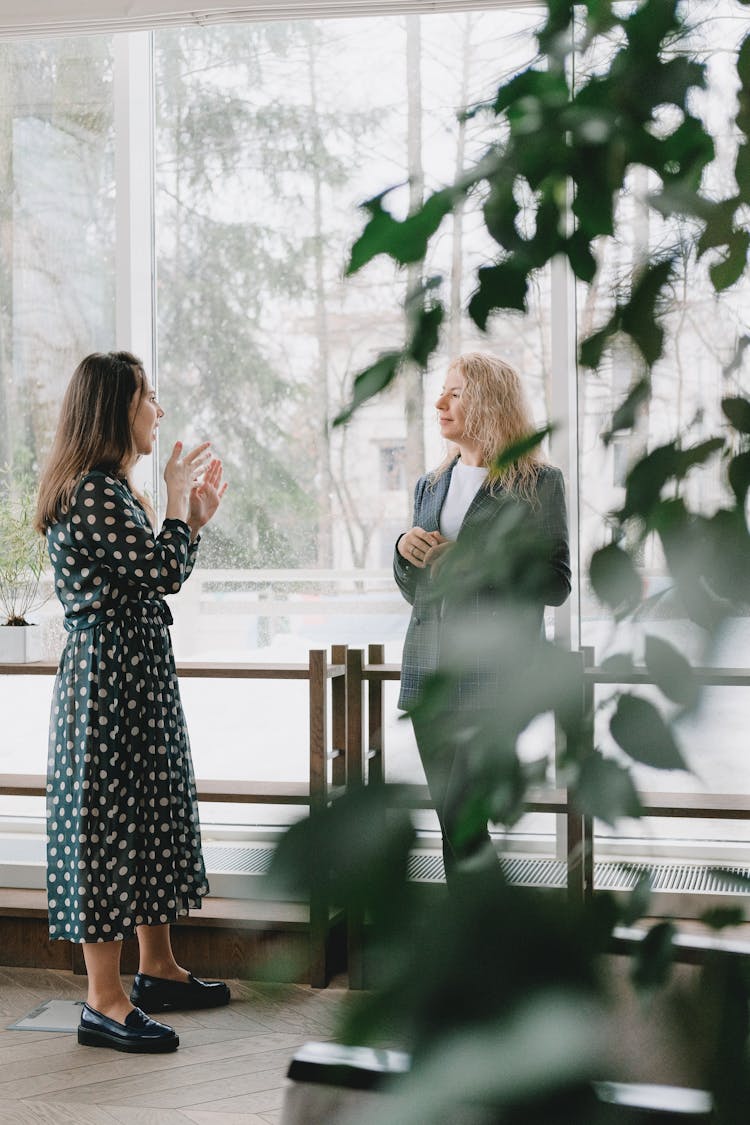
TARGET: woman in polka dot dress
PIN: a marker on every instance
(124, 851)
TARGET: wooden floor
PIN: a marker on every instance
(229, 1069)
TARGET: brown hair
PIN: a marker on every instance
(497, 416)
(94, 429)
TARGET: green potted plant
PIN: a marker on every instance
(23, 557)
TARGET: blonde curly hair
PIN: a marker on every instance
(497, 416)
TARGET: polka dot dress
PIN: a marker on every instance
(124, 839)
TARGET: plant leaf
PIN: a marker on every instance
(653, 957)
(605, 789)
(739, 477)
(403, 240)
(624, 418)
(639, 729)
(671, 672)
(719, 917)
(426, 334)
(731, 268)
(502, 286)
(638, 900)
(370, 382)
(737, 410)
(511, 453)
(615, 580)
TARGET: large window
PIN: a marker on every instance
(266, 138)
(57, 287)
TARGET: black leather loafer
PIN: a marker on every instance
(154, 994)
(138, 1034)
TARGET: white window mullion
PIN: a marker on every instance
(135, 260)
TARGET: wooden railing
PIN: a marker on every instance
(354, 753)
(324, 784)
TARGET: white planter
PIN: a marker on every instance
(20, 644)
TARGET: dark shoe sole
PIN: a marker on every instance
(212, 1001)
(144, 1046)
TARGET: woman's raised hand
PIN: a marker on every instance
(206, 496)
(416, 543)
(181, 473)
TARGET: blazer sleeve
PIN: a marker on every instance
(552, 516)
(405, 574)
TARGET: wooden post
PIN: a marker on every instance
(355, 922)
(580, 829)
(319, 906)
(338, 717)
(375, 748)
(354, 698)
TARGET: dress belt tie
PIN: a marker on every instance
(152, 609)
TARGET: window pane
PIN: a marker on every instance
(268, 139)
(57, 198)
(701, 338)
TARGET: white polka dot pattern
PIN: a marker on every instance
(124, 843)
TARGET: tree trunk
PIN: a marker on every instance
(455, 307)
(413, 378)
(320, 386)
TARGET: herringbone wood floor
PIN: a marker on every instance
(229, 1070)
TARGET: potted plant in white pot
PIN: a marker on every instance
(23, 557)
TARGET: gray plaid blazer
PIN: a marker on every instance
(545, 524)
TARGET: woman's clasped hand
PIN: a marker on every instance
(420, 547)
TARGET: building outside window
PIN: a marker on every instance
(393, 467)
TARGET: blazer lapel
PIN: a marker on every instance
(484, 505)
(434, 498)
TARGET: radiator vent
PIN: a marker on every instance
(427, 867)
(238, 860)
(674, 878)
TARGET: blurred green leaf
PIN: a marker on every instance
(370, 382)
(511, 453)
(403, 240)
(671, 672)
(639, 729)
(592, 348)
(696, 455)
(605, 789)
(638, 316)
(614, 579)
(727, 550)
(732, 267)
(653, 958)
(719, 227)
(735, 364)
(737, 410)
(425, 334)
(638, 901)
(551, 1043)
(363, 833)
(619, 664)
(503, 286)
(647, 478)
(580, 256)
(624, 418)
(739, 477)
(719, 917)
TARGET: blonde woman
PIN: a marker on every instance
(462, 510)
(124, 850)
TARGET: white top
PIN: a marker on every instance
(466, 480)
